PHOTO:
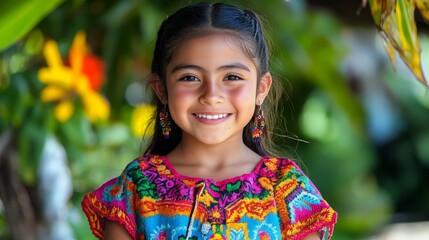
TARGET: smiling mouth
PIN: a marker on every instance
(210, 117)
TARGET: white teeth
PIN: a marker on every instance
(210, 117)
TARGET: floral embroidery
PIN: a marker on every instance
(263, 236)
(275, 201)
(217, 215)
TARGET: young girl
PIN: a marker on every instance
(207, 173)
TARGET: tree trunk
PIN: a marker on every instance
(16, 197)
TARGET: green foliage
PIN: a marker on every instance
(18, 17)
(3, 232)
(313, 56)
(342, 153)
(396, 23)
(31, 140)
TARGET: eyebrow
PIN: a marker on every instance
(196, 67)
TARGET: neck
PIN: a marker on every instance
(191, 152)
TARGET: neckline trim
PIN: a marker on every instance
(166, 162)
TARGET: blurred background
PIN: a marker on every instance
(74, 106)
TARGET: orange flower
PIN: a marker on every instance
(81, 79)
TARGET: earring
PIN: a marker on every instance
(165, 122)
(258, 125)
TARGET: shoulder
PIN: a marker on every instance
(126, 183)
(290, 183)
(114, 201)
(301, 207)
(139, 166)
(280, 169)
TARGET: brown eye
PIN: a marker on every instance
(233, 78)
(189, 78)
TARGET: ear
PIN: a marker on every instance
(263, 88)
(158, 88)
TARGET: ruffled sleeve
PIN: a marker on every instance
(301, 208)
(115, 201)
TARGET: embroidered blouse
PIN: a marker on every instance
(152, 201)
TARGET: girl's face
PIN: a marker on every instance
(212, 89)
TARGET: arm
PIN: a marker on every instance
(104, 204)
(312, 236)
(115, 231)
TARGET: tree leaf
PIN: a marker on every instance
(390, 49)
(18, 17)
(381, 9)
(423, 6)
(395, 21)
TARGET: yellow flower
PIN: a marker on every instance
(141, 122)
(81, 79)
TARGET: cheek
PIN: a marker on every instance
(245, 94)
(177, 92)
(179, 100)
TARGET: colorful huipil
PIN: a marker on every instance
(152, 201)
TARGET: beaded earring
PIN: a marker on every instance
(165, 122)
(258, 125)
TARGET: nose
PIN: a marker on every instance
(211, 93)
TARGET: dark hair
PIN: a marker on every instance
(204, 19)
